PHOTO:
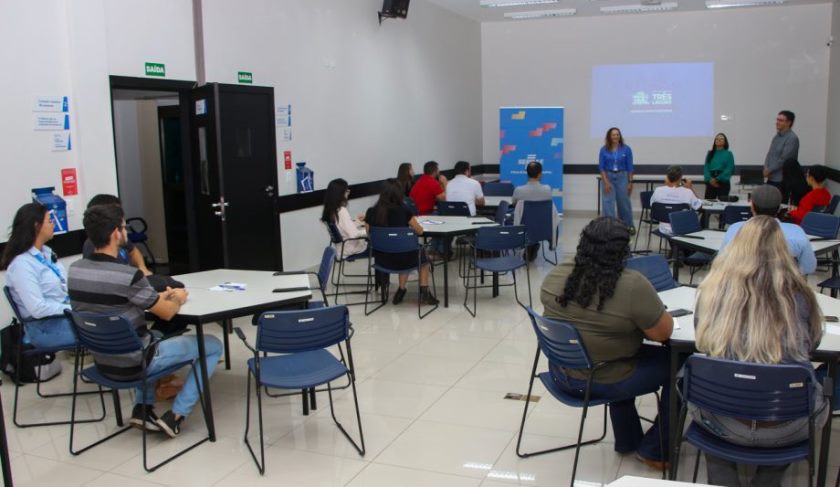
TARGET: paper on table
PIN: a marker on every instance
(432, 222)
(230, 286)
(832, 329)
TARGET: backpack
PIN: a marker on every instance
(33, 367)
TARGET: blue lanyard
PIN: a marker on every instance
(40, 258)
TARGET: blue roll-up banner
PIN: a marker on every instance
(532, 134)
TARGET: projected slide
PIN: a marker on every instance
(653, 100)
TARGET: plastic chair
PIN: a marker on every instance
(339, 270)
(832, 205)
(138, 236)
(538, 218)
(747, 391)
(452, 208)
(409, 203)
(502, 213)
(655, 269)
(644, 217)
(498, 189)
(821, 225)
(508, 246)
(114, 335)
(291, 352)
(562, 345)
(735, 213)
(21, 351)
(660, 212)
(395, 240)
(683, 223)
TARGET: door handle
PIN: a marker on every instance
(269, 190)
(220, 206)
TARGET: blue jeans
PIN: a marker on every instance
(51, 333)
(617, 197)
(178, 349)
(652, 370)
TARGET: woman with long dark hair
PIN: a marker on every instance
(613, 309)
(718, 168)
(405, 176)
(615, 163)
(389, 211)
(335, 212)
(794, 185)
(38, 282)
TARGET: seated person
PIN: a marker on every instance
(754, 291)
(36, 279)
(389, 211)
(102, 284)
(533, 190)
(818, 196)
(794, 185)
(129, 254)
(677, 190)
(335, 211)
(465, 189)
(614, 309)
(405, 176)
(766, 200)
(429, 188)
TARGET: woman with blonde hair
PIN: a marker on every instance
(755, 306)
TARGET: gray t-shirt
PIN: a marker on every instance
(532, 191)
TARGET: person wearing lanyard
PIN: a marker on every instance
(615, 163)
(38, 283)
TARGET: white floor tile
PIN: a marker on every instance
(294, 467)
(376, 475)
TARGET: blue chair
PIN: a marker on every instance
(452, 208)
(114, 335)
(339, 269)
(832, 205)
(502, 213)
(734, 214)
(22, 351)
(395, 240)
(538, 218)
(821, 225)
(498, 189)
(137, 236)
(655, 269)
(409, 203)
(747, 391)
(644, 217)
(497, 250)
(291, 352)
(683, 223)
(561, 344)
(660, 212)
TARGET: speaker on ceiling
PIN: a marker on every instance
(393, 9)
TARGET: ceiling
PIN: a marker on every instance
(472, 9)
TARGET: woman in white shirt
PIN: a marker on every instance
(335, 212)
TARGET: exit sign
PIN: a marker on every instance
(156, 69)
(245, 77)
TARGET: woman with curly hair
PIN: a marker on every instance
(613, 309)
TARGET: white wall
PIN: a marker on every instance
(832, 142)
(364, 97)
(766, 59)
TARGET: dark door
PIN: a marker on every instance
(174, 189)
(235, 177)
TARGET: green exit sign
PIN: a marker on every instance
(156, 69)
(245, 77)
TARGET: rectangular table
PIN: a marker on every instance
(449, 227)
(682, 343)
(205, 306)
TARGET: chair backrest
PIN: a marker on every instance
(655, 269)
(498, 189)
(832, 205)
(335, 234)
(560, 342)
(659, 211)
(644, 196)
(411, 205)
(760, 392)
(736, 213)
(105, 334)
(684, 222)
(393, 240)
(15, 310)
(821, 225)
(752, 177)
(501, 238)
(327, 259)
(538, 220)
(302, 330)
(453, 208)
(501, 212)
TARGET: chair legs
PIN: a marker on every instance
(360, 449)
(475, 287)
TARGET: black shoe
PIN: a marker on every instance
(399, 295)
(426, 297)
(150, 420)
(170, 425)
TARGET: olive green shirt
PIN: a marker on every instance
(613, 334)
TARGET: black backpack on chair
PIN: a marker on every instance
(34, 367)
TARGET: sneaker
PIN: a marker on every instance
(632, 230)
(170, 425)
(149, 421)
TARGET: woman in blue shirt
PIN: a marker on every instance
(38, 283)
(615, 162)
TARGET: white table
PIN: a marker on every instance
(631, 481)
(205, 306)
(682, 342)
(449, 227)
(493, 201)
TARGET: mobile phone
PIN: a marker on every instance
(832, 319)
(676, 313)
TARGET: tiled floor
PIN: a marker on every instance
(431, 394)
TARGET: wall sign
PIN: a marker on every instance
(156, 69)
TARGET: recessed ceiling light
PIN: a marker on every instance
(742, 3)
(514, 3)
(638, 8)
(539, 14)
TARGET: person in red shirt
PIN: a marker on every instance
(429, 189)
(818, 196)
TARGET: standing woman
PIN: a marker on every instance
(405, 176)
(755, 306)
(718, 169)
(335, 211)
(38, 282)
(615, 162)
